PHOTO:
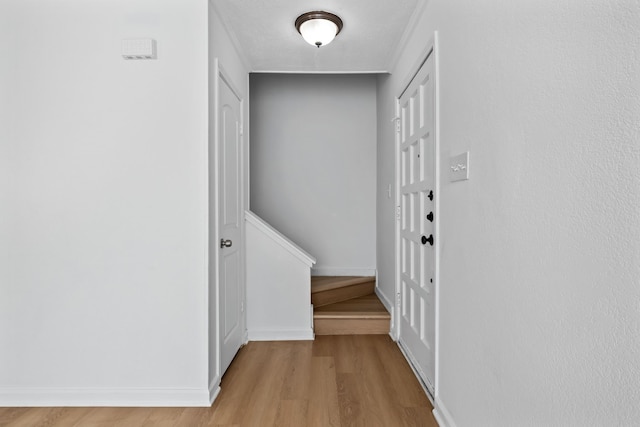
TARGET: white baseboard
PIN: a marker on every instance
(338, 271)
(385, 301)
(442, 415)
(282, 335)
(387, 304)
(214, 390)
(80, 396)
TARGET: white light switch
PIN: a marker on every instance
(139, 49)
(459, 167)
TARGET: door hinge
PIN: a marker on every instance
(398, 300)
(398, 125)
(241, 306)
(398, 213)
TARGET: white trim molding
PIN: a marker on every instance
(282, 335)
(410, 28)
(339, 271)
(442, 415)
(295, 250)
(390, 308)
(86, 396)
(214, 390)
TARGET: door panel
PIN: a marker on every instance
(230, 273)
(417, 254)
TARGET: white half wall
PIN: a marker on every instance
(103, 267)
(278, 285)
(313, 165)
(539, 295)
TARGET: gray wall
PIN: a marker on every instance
(313, 164)
(540, 249)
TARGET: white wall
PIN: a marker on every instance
(539, 295)
(103, 269)
(222, 49)
(313, 165)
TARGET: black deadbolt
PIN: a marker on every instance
(425, 240)
(430, 196)
(430, 216)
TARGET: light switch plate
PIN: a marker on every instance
(139, 49)
(459, 167)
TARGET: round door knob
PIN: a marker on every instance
(225, 243)
(429, 239)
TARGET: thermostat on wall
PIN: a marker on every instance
(139, 49)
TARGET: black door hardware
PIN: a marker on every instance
(425, 240)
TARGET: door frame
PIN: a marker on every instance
(220, 74)
(431, 49)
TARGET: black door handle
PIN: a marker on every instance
(425, 240)
(430, 216)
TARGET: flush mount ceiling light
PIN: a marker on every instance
(318, 28)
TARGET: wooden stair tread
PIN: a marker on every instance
(366, 307)
(365, 304)
(350, 315)
(348, 306)
(326, 283)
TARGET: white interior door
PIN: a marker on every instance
(417, 155)
(230, 216)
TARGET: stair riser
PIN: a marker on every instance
(332, 296)
(351, 326)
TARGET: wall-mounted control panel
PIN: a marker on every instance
(139, 49)
(459, 167)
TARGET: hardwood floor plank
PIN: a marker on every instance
(377, 394)
(163, 417)
(46, 417)
(292, 413)
(323, 400)
(194, 417)
(267, 388)
(8, 415)
(115, 417)
(66, 417)
(296, 382)
(350, 401)
(347, 350)
(419, 417)
(407, 393)
(356, 380)
(27, 417)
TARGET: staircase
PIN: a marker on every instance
(346, 305)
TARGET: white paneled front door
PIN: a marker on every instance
(230, 217)
(417, 167)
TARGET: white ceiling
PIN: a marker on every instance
(264, 32)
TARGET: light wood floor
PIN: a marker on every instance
(357, 380)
